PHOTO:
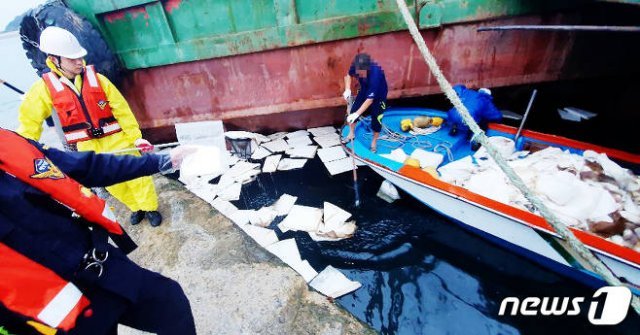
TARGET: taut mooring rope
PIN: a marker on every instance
(481, 137)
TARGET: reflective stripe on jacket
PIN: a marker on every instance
(32, 290)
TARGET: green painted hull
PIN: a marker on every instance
(147, 33)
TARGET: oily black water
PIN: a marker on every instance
(421, 273)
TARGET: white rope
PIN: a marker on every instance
(480, 137)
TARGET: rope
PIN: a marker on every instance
(481, 137)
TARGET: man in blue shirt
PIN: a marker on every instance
(480, 106)
(372, 96)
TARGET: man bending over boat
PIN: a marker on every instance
(480, 106)
(371, 97)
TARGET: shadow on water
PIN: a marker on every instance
(420, 272)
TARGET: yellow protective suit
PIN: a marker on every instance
(137, 194)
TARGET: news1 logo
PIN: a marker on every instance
(608, 306)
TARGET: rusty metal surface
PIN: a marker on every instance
(257, 91)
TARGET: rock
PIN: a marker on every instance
(234, 286)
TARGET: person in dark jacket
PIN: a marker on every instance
(46, 220)
(372, 96)
(480, 106)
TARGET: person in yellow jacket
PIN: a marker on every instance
(93, 115)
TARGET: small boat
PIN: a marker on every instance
(481, 205)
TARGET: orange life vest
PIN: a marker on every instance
(24, 161)
(83, 116)
(27, 287)
(36, 292)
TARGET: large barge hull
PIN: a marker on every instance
(275, 65)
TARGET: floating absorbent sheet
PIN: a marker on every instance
(271, 163)
(333, 283)
(331, 154)
(302, 151)
(291, 164)
(204, 161)
(287, 251)
(327, 140)
(339, 166)
(302, 218)
(278, 145)
(319, 131)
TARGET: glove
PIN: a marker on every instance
(352, 117)
(178, 154)
(346, 94)
(143, 145)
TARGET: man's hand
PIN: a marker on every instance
(352, 117)
(143, 145)
(346, 94)
(178, 154)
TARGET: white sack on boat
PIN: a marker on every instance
(631, 211)
(587, 202)
(204, 161)
(505, 146)
(427, 158)
(388, 192)
(331, 154)
(271, 163)
(333, 283)
(492, 184)
(457, 172)
(559, 187)
(302, 218)
(611, 169)
(397, 155)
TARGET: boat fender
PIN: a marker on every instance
(406, 124)
(437, 121)
(422, 122)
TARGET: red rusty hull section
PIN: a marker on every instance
(301, 87)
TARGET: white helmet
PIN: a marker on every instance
(60, 42)
(485, 90)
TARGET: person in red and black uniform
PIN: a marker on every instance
(58, 272)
